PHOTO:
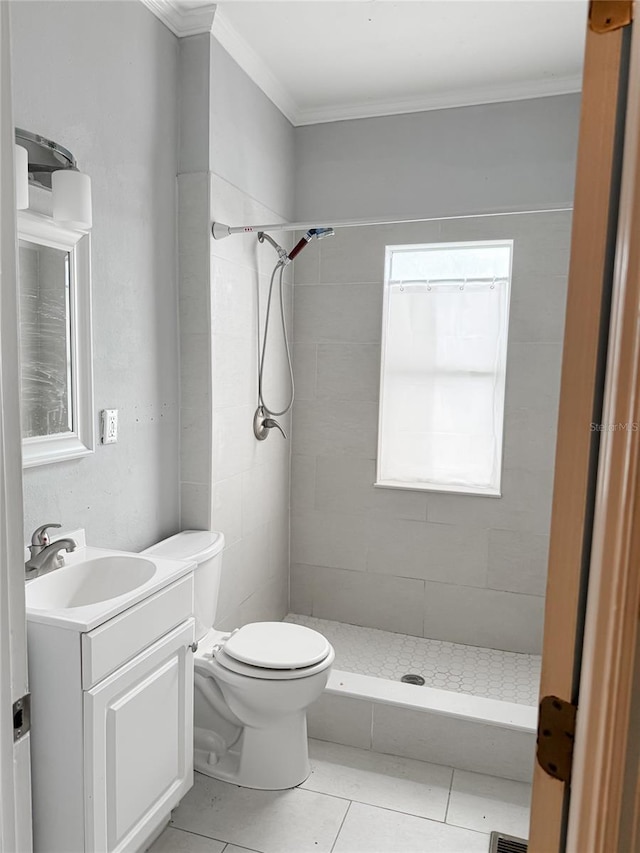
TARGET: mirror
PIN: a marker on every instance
(56, 388)
(45, 340)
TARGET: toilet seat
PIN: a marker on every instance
(277, 645)
(274, 650)
(228, 663)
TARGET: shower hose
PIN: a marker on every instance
(278, 272)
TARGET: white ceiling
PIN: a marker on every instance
(326, 60)
(322, 60)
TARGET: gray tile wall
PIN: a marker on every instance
(453, 567)
(230, 481)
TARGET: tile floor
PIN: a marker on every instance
(354, 801)
(493, 674)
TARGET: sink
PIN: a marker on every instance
(89, 582)
(96, 584)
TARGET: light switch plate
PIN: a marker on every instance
(109, 426)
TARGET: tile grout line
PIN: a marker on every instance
(198, 834)
(417, 817)
(335, 841)
(386, 808)
(446, 811)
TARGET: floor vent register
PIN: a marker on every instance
(501, 843)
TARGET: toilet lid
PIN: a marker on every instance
(229, 663)
(277, 645)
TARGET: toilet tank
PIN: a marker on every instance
(203, 547)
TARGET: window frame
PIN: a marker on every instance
(477, 491)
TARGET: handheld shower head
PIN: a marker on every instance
(312, 234)
(321, 233)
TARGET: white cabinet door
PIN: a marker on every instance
(138, 739)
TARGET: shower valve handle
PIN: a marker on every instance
(271, 423)
(263, 423)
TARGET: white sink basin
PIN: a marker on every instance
(90, 582)
(97, 584)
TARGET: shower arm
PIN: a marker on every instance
(282, 253)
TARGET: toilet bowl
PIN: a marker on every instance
(252, 686)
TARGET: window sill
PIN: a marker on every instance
(476, 491)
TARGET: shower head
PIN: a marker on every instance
(321, 233)
(312, 234)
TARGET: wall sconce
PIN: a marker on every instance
(52, 167)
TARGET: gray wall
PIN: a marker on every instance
(230, 481)
(230, 127)
(251, 479)
(518, 155)
(251, 142)
(461, 568)
(194, 81)
(101, 79)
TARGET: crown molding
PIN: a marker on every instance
(183, 21)
(473, 96)
(180, 20)
(254, 66)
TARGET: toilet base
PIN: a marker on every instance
(271, 758)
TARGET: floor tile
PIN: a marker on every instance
(491, 673)
(232, 848)
(293, 821)
(402, 784)
(178, 841)
(368, 829)
(486, 803)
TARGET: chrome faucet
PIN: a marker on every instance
(45, 554)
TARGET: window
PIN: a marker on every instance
(444, 352)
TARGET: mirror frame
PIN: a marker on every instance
(42, 450)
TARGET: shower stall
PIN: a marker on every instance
(430, 583)
(444, 585)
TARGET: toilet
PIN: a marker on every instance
(252, 686)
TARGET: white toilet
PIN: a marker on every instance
(252, 686)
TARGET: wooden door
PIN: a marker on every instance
(591, 276)
(605, 737)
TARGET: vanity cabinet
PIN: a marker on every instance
(112, 725)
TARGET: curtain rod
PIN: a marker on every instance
(220, 230)
(468, 280)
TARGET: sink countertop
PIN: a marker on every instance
(87, 617)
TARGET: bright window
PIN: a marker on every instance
(444, 354)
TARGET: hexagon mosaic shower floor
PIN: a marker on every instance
(490, 673)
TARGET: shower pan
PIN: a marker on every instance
(477, 710)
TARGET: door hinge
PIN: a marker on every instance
(608, 15)
(556, 734)
(21, 716)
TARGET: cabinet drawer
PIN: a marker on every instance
(117, 641)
